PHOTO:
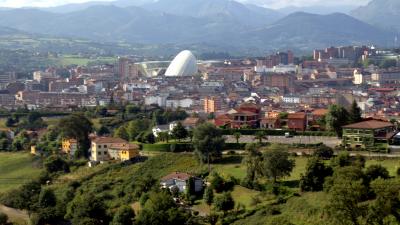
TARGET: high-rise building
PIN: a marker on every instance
(212, 104)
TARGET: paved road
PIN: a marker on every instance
(329, 141)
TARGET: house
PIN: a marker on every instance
(297, 121)
(69, 146)
(99, 150)
(124, 151)
(368, 133)
(164, 128)
(191, 122)
(270, 123)
(180, 180)
(246, 115)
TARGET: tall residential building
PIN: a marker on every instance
(41, 75)
(212, 104)
(127, 69)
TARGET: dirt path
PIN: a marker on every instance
(15, 215)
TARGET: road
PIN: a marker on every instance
(329, 141)
(15, 215)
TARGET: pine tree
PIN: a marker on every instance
(355, 113)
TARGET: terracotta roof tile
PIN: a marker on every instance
(369, 124)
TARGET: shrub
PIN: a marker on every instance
(224, 202)
(3, 218)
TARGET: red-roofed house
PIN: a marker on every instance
(297, 121)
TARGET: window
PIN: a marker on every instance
(105, 146)
(99, 146)
(105, 153)
(99, 153)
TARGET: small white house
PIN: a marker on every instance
(180, 180)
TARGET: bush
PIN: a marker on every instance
(224, 202)
(323, 152)
(168, 147)
(3, 218)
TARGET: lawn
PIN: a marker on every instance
(66, 60)
(232, 166)
(16, 169)
(390, 164)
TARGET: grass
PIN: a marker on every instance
(232, 166)
(66, 60)
(244, 195)
(16, 169)
(390, 164)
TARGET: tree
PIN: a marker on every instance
(208, 143)
(260, 136)
(123, 216)
(341, 160)
(208, 196)
(376, 171)
(163, 136)
(55, 164)
(387, 202)
(149, 137)
(179, 132)
(160, 209)
(237, 136)
(345, 197)
(224, 202)
(79, 127)
(355, 113)
(323, 152)
(47, 198)
(253, 161)
(277, 163)
(336, 118)
(121, 133)
(103, 130)
(87, 206)
(314, 178)
(9, 122)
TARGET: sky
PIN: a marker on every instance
(268, 3)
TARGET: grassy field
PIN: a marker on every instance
(390, 164)
(16, 169)
(232, 166)
(66, 60)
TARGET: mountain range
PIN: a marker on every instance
(225, 23)
(380, 13)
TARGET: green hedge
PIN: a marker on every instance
(168, 147)
(277, 132)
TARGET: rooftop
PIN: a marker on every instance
(112, 140)
(176, 176)
(369, 124)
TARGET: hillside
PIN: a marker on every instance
(221, 25)
(382, 13)
(304, 30)
(21, 167)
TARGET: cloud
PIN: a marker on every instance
(267, 3)
(39, 3)
(276, 4)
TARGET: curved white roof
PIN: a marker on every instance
(184, 64)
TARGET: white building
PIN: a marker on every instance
(291, 99)
(160, 100)
(180, 180)
(179, 103)
(184, 64)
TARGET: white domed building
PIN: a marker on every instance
(184, 64)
